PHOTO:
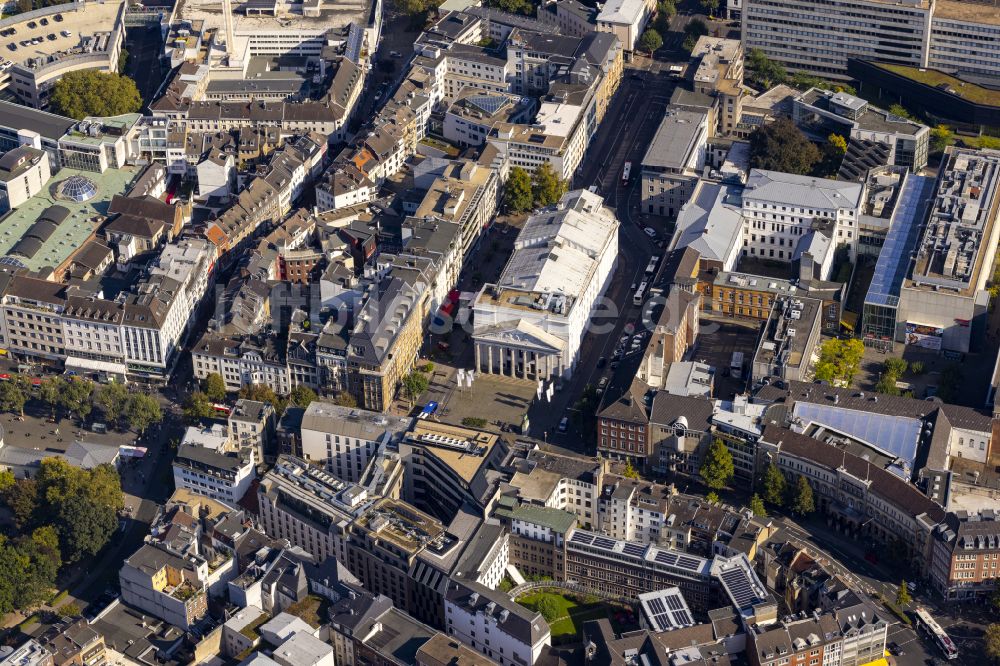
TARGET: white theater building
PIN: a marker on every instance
(530, 323)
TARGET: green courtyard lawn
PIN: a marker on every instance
(569, 612)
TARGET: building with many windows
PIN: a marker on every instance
(344, 440)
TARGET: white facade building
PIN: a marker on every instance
(491, 624)
(531, 322)
(344, 439)
(625, 19)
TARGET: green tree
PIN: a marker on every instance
(46, 538)
(12, 398)
(903, 595)
(84, 527)
(896, 366)
(51, 391)
(667, 7)
(692, 31)
(525, 7)
(301, 396)
(6, 480)
(546, 185)
(112, 398)
(781, 146)
(262, 393)
(414, 384)
(837, 145)
(650, 40)
(661, 23)
(941, 138)
(917, 368)
(142, 411)
(757, 506)
(717, 468)
(992, 642)
(90, 92)
(122, 60)
(630, 471)
(345, 399)
(762, 71)
(839, 360)
(549, 608)
(803, 503)
(69, 610)
(22, 500)
(886, 384)
(215, 387)
(76, 397)
(710, 7)
(900, 110)
(518, 196)
(712, 497)
(197, 407)
(774, 485)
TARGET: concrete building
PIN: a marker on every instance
(166, 585)
(308, 507)
(673, 162)
(531, 322)
(344, 440)
(943, 300)
(791, 335)
(717, 70)
(491, 624)
(625, 19)
(251, 424)
(224, 475)
(786, 216)
(820, 113)
(24, 171)
(964, 563)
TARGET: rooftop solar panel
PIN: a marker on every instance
(633, 549)
(663, 557)
(674, 603)
(582, 537)
(604, 542)
(691, 563)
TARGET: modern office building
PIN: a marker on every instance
(673, 162)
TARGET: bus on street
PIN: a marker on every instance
(929, 627)
(626, 173)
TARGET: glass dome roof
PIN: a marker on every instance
(77, 188)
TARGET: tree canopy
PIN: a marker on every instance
(992, 640)
(546, 185)
(301, 396)
(415, 384)
(774, 485)
(197, 407)
(215, 387)
(518, 196)
(839, 360)
(781, 146)
(93, 93)
(142, 411)
(717, 468)
(803, 503)
(757, 506)
(12, 398)
(111, 399)
(262, 393)
(650, 40)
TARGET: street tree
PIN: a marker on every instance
(301, 396)
(903, 595)
(215, 387)
(757, 506)
(12, 398)
(22, 500)
(51, 391)
(803, 503)
(414, 384)
(546, 185)
(774, 485)
(142, 411)
(197, 407)
(717, 468)
(76, 396)
(262, 393)
(837, 145)
(650, 40)
(712, 497)
(111, 398)
(710, 7)
(90, 92)
(763, 71)
(781, 146)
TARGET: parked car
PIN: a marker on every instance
(601, 362)
(564, 424)
(649, 231)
